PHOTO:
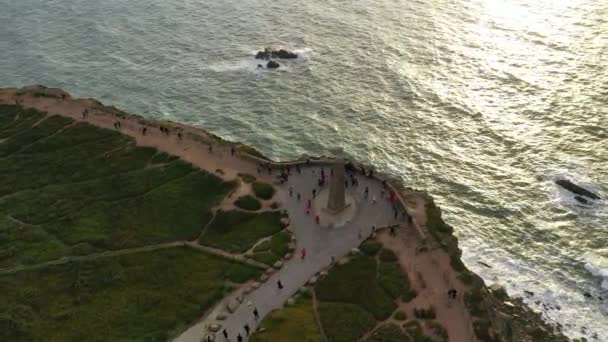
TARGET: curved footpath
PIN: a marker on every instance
(321, 243)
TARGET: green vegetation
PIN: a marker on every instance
(387, 255)
(71, 188)
(423, 313)
(143, 296)
(252, 151)
(269, 251)
(394, 281)
(400, 315)
(473, 300)
(248, 202)
(370, 247)
(247, 178)
(291, 323)
(344, 283)
(438, 330)
(237, 231)
(482, 331)
(343, 322)
(414, 330)
(388, 333)
(263, 190)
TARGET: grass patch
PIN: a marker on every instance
(394, 281)
(268, 252)
(343, 322)
(388, 333)
(247, 178)
(237, 231)
(370, 247)
(71, 188)
(291, 323)
(386, 255)
(141, 296)
(263, 190)
(248, 202)
(339, 286)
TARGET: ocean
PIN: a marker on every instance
(482, 103)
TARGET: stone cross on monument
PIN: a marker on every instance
(336, 201)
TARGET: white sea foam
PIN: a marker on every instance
(598, 267)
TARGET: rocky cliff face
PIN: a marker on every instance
(497, 317)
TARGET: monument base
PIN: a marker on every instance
(333, 218)
(336, 211)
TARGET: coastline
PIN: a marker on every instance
(498, 315)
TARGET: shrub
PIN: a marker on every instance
(482, 331)
(400, 315)
(387, 255)
(247, 178)
(252, 151)
(370, 247)
(473, 300)
(263, 190)
(438, 330)
(344, 322)
(423, 313)
(248, 202)
(457, 263)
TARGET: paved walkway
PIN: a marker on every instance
(320, 243)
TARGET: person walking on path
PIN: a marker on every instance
(308, 206)
(256, 314)
(232, 150)
(290, 192)
(374, 199)
(393, 233)
(210, 148)
(225, 333)
(366, 192)
(298, 169)
(317, 219)
(247, 329)
(314, 193)
(279, 284)
(299, 196)
(239, 338)
(303, 253)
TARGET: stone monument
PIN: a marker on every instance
(336, 201)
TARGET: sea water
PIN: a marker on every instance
(483, 103)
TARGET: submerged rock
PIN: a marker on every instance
(272, 65)
(581, 199)
(568, 185)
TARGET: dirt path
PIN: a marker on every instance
(431, 276)
(149, 248)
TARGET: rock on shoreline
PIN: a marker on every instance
(268, 53)
(578, 190)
